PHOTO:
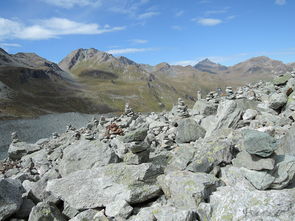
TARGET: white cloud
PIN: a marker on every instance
(177, 27)
(72, 3)
(147, 15)
(280, 2)
(129, 50)
(139, 41)
(214, 12)
(179, 13)
(49, 28)
(9, 45)
(130, 7)
(208, 21)
(186, 62)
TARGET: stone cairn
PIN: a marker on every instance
(139, 151)
(259, 164)
(181, 109)
(14, 137)
(128, 111)
(229, 93)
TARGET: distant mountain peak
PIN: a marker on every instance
(125, 60)
(209, 66)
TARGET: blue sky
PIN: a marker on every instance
(152, 31)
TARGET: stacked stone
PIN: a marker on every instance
(128, 111)
(210, 96)
(181, 109)
(260, 165)
(229, 93)
(14, 137)
(138, 149)
(199, 95)
(89, 135)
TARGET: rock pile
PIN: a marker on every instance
(230, 157)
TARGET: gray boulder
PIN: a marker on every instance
(138, 158)
(228, 116)
(259, 143)
(286, 144)
(250, 114)
(136, 135)
(46, 211)
(37, 190)
(253, 162)
(85, 155)
(284, 172)
(238, 203)
(281, 80)
(277, 100)
(188, 130)
(17, 150)
(25, 209)
(97, 187)
(118, 208)
(169, 213)
(203, 156)
(187, 190)
(204, 108)
(90, 215)
(10, 197)
(261, 180)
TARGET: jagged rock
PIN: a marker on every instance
(10, 197)
(233, 176)
(204, 108)
(187, 190)
(284, 172)
(138, 147)
(19, 149)
(261, 180)
(253, 162)
(25, 209)
(169, 213)
(202, 156)
(249, 114)
(276, 101)
(259, 143)
(37, 190)
(228, 115)
(69, 211)
(188, 130)
(98, 187)
(119, 147)
(281, 80)
(85, 155)
(136, 135)
(286, 144)
(90, 215)
(46, 211)
(238, 203)
(138, 158)
(118, 208)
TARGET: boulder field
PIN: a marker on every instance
(231, 157)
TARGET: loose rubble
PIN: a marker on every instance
(230, 157)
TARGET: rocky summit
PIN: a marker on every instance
(229, 158)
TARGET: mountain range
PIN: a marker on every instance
(90, 81)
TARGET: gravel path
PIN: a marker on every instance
(31, 130)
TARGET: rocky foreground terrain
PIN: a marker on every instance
(230, 157)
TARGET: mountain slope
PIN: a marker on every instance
(31, 85)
